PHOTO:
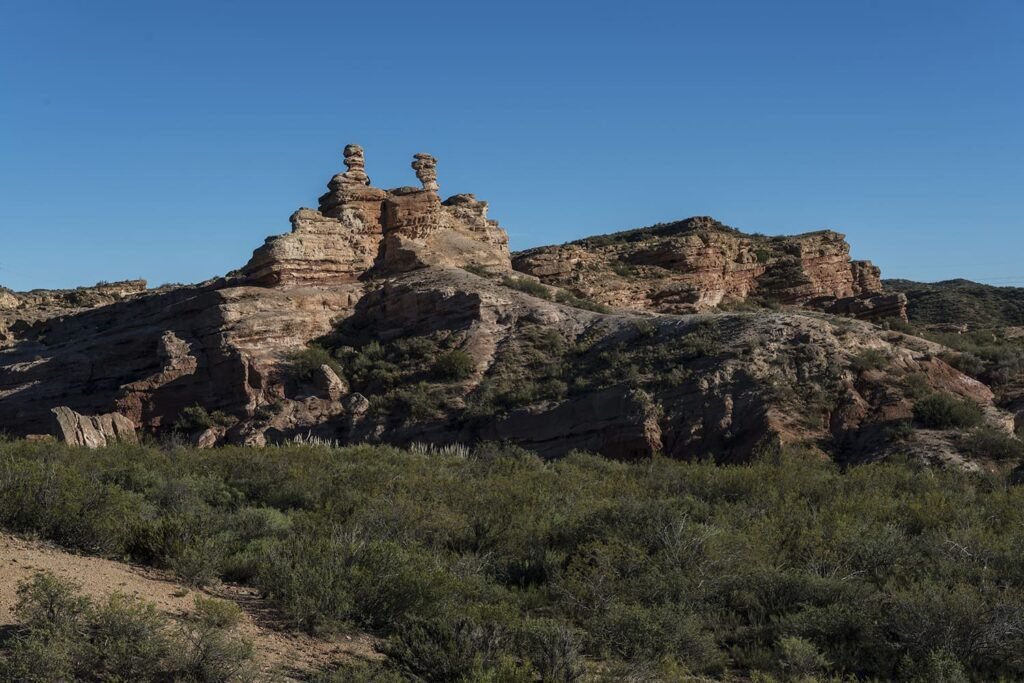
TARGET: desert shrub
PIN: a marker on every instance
(454, 366)
(801, 658)
(870, 359)
(945, 411)
(62, 635)
(569, 299)
(357, 671)
(303, 364)
(661, 569)
(419, 401)
(444, 648)
(326, 583)
(212, 651)
(477, 270)
(527, 286)
(967, 363)
(48, 603)
(916, 385)
(553, 648)
(988, 442)
(195, 419)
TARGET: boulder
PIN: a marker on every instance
(93, 431)
(327, 381)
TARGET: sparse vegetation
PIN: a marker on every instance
(569, 299)
(527, 286)
(961, 301)
(870, 359)
(454, 366)
(991, 443)
(479, 271)
(498, 566)
(945, 411)
(63, 635)
(196, 419)
(303, 364)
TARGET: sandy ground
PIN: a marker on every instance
(289, 654)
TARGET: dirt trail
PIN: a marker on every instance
(292, 655)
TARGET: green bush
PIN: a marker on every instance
(527, 286)
(870, 359)
(454, 366)
(569, 299)
(945, 411)
(305, 363)
(443, 649)
(62, 635)
(512, 568)
(988, 442)
(195, 419)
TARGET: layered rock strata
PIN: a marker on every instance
(358, 227)
(699, 263)
(373, 269)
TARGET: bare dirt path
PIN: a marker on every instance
(290, 654)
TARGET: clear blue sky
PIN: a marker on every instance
(165, 140)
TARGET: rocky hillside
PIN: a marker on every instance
(961, 302)
(698, 264)
(396, 316)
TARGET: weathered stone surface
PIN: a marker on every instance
(617, 422)
(210, 437)
(19, 311)
(320, 250)
(8, 299)
(865, 306)
(425, 166)
(93, 431)
(358, 228)
(771, 378)
(151, 357)
(420, 231)
(329, 383)
(376, 265)
(699, 263)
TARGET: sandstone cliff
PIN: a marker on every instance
(698, 264)
(394, 315)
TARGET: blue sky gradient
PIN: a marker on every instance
(167, 140)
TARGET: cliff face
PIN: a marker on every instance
(698, 264)
(428, 335)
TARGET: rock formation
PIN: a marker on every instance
(355, 162)
(698, 264)
(373, 272)
(425, 166)
(93, 431)
(358, 227)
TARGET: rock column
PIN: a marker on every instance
(425, 166)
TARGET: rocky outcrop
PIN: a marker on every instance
(420, 230)
(425, 166)
(358, 227)
(92, 431)
(320, 250)
(699, 263)
(881, 306)
(222, 347)
(373, 275)
(618, 422)
(20, 310)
